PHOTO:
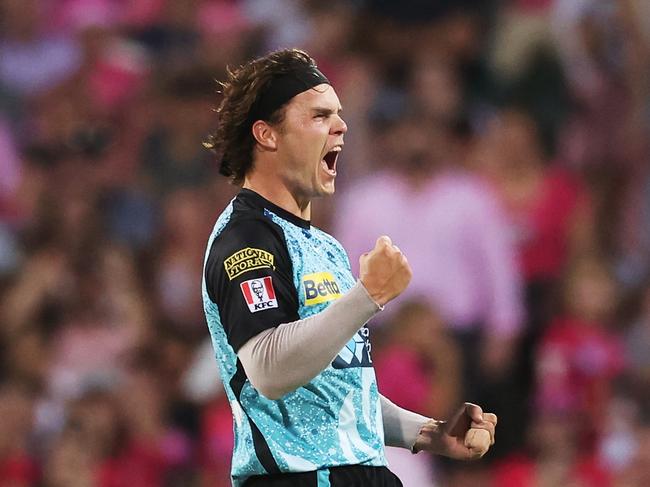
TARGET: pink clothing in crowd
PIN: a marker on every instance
(455, 237)
(85, 353)
(542, 228)
(403, 378)
(576, 363)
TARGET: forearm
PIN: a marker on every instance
(281, 359)
(401, 427)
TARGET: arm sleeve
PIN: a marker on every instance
(249, 276)
(401, 427)
(279, 360)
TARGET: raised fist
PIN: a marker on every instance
(384, 271)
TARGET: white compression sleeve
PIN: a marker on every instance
(401, 426)
(281, 359)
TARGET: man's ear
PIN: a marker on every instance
(265, 135)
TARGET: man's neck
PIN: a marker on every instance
(278, 194)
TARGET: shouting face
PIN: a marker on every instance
(309, 141)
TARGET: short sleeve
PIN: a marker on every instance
(249, 276)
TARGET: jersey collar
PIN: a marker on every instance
(256, 200)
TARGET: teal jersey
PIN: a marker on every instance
(263, 267)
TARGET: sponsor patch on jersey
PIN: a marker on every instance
(247, 259)
(320, 287)
(259, 294)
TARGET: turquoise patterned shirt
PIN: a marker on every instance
(263, 267)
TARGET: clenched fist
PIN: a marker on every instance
(467, 436)
(384, 271)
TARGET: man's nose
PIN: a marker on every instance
(339, 127)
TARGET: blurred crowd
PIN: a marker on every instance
(503, 145)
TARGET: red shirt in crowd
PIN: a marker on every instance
(522, 471)
(139, 464)
(543, 226)
(576, 362)
(17, 470)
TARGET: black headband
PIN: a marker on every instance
(282, 88)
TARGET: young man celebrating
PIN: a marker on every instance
(286, 316)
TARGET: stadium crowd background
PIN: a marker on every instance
(502, 144)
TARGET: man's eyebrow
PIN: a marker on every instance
(326, 110)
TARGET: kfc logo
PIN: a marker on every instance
(259, 294)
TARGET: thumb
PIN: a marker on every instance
(384, 240)
(474, 411)
(460, 422)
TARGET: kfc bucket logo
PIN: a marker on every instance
(259, 294)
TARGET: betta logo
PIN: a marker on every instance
(320, 287)
(259, 294)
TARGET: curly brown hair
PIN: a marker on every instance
(233, 141)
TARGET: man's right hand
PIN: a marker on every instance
(384, 271)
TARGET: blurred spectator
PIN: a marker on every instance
(18, 467)
(462, 263)
(151, 447)
(201, 381)
(186, 221)
(495, 142)
(172, 155)
(217, 442)
(284, 22)
(225, 33)
(549, 217)
(521, 28)
(637, 344)
(622, 430)
(633, 240)
(168, 29)
(10, 170)
(10, 165)
(89, 319)
(579, 356)
(69, 463)
(556, 457)
(548, 207)
(32, 61)
(418, 366)
(637, 473)
(416, 346)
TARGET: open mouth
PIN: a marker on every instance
(330, 160)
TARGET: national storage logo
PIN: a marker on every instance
(246, 260)
(320, 287)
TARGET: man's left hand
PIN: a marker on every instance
(459, 438)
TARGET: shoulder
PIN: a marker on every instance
(246, 243)
(246, 231)
(326, 238)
